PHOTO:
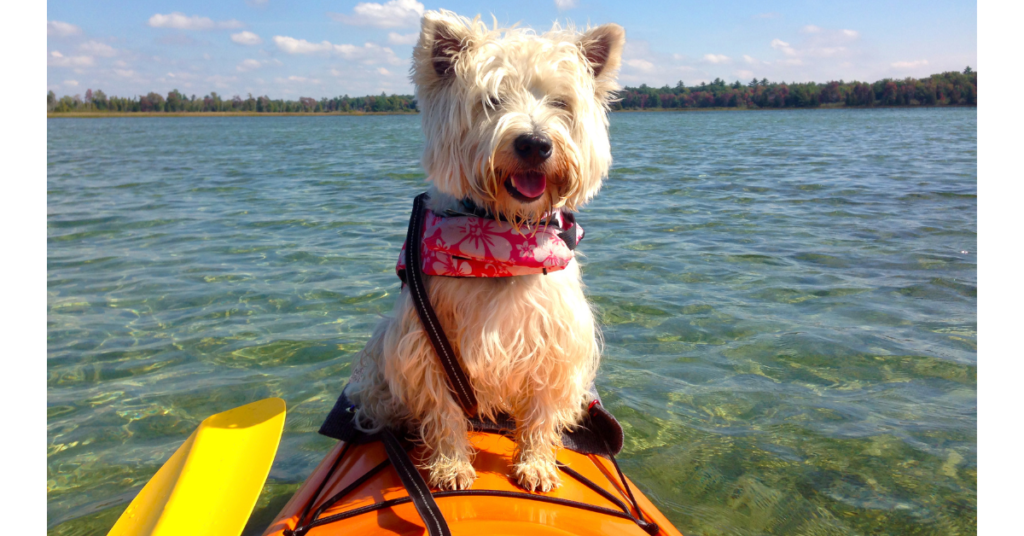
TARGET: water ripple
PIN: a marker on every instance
(788, 301)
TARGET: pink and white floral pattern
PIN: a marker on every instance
(470, 246)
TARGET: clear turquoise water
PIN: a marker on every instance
(788, 300)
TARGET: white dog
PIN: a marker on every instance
(516, 124)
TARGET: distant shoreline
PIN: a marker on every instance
(93, 115)
(773, 108)
(97, 115)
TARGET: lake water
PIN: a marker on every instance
(788, 299)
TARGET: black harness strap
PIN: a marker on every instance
(418, 490)
(458, 381)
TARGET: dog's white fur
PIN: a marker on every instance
(528, 343)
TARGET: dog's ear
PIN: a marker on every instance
(443, 37)
(602, 46)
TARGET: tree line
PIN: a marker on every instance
(175, 101)
(949, 88)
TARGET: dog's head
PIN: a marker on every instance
(513, 120)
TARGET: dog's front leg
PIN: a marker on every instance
(446, 430)
(538, 437)
(416, 378)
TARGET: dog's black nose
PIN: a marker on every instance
(533, 148)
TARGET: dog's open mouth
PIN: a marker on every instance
(527, 186)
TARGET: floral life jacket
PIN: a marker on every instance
(474, 244)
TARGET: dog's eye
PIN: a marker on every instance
(560, 104)
(493, 102)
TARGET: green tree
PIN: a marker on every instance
(65, 104)
(175, 102)
(99, 100)
(152, 102)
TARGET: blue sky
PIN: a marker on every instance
(330, 48)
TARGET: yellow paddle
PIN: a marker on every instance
(210, 485)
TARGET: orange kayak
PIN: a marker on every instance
(592, 500)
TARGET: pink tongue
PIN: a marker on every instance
(530, 183)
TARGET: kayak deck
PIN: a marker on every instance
(487, 508)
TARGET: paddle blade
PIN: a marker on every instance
(211, 483)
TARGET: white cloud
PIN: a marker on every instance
(383, 71)
(716, 58)
(779, 44)
(743, 73)
(248, 65)
(825, 52)
(220, 81)
(95, 48)
(369, 53)
(246, 38)
(751, 60)
(643, 66)
(56, 59)
(910, 64)
(292, 45)
(297, 80)
(61, 29)
(563, 5)
(819, 43)
(394, 14)
(125, 73)
(180, 21)
(399, 39)
(71, 83)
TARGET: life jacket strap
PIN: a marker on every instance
(458, 380)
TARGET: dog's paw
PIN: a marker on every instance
(537, 475)
(452, 475)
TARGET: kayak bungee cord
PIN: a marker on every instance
(437, 525)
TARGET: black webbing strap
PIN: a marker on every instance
(426, 506)
(418, 490)
(458, 381)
